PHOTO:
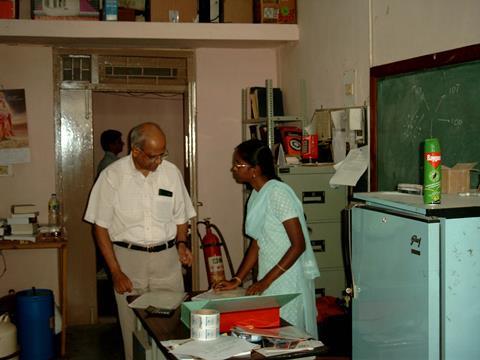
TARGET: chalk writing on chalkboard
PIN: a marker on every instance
(439, 102)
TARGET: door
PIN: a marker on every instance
(79, 73)
(396, 304)
(75, 166)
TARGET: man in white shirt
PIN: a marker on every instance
(140, 209)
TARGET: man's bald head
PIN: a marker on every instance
(146, 132)
(149, 146)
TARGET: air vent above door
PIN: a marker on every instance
(136, 70)
(76, 68)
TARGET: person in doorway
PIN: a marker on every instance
(280, 242)
(140, 209)
(112, 145)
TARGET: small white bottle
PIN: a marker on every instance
(53, 211)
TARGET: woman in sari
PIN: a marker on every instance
(280, 242)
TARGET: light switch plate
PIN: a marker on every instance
(349, 85)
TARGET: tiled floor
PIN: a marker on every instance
(91, 342)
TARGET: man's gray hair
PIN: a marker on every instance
(137, 134)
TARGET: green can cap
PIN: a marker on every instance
(432, 145)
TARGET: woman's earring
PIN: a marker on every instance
(254, 176)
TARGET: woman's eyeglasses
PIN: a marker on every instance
(238, 166)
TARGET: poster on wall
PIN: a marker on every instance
(14, 148)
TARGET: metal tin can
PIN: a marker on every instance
(432, 175)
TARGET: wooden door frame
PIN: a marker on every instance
(188, 90)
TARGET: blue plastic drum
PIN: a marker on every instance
(35, 324)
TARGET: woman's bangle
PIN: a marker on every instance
(181, 242)
(280, 267)
(237, 278)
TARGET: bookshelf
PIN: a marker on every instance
(270, 121)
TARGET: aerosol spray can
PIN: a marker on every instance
(432, 176)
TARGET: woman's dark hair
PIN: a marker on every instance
(255, 152)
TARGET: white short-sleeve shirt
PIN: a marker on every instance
(138, 209)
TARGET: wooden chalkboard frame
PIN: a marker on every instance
(444, 58)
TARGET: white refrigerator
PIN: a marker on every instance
(416, 277)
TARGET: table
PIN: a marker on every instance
(49, 243)
(159, 329)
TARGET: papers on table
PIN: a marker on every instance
(218, 349)
(161, 299)
(284, 332)
(303, 346)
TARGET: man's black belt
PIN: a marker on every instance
(155, 248)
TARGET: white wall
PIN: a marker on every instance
(30, 68)
(221, 74)
(334, 37)
(403, 29)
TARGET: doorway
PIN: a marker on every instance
(101, 89)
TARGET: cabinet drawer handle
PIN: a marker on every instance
(318, 245)
(313, 197)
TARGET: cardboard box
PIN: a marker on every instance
(275, 11)
(187, 10)
(266, 11)
(261, 311)
(457, 178)
(287, 11)
(70, 10)
(237, 11)
(8, 9)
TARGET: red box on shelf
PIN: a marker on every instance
(287, 11)
(9, 9)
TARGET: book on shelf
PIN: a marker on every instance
(253, 106)
(23, 208)
(24, 229)
(258, 96)
(25, 215)
(30, 219)
(29, 237)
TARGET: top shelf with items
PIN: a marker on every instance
(147, 34)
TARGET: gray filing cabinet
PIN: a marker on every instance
(322, 205)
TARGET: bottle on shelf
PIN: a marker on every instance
(54, 212)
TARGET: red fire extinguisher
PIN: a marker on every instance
(212, 252)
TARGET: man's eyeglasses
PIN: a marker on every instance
(153, 158)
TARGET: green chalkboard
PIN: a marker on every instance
(441, 102)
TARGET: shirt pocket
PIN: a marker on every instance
(162, 209)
